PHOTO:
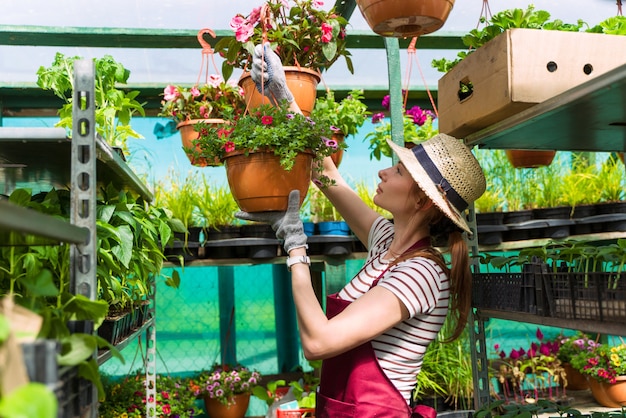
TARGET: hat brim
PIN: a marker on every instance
(425, 183)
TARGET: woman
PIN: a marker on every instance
(377, 328)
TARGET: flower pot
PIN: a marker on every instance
(236, 408)
(405, 18)
(529, 158)
(188, 134)
(575, 379)
(259, 183)
(338, 156)
(302, 83)
(615, 392)
(610, 395)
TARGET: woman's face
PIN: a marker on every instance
(396, 190)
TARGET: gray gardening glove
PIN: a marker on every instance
(267, 68)
(288, 225)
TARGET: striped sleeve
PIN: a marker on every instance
(419, 283)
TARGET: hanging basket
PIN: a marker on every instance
(302, 83)
(529, 158)
(188, 135)
(405, 18)
(259, 183)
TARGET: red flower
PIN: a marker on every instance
(267, 120)
(229, 146)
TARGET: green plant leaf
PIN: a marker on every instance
(30, 400)
(41, 284)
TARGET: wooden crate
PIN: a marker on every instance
(518, 69)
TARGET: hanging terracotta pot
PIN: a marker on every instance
(338, 156)
(236, 408)
(529, 158)
(302, 83)
(259, 183)
(405, 18)
(188, 134)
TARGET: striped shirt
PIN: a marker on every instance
(422, 286)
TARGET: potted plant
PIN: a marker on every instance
(605, 366)
(345, 117)
(126, 397)
(470, 93)
(114, 106)
(209, 103)
(417, 123)
(306, 39)
(226, 389)
(569, 346)
(526, 375)
(267, 153)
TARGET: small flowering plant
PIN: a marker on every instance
(224, 381)
(345, 116)
(418, 127)
(212, 100)
(572, 345)
(299, 31)
(268, 127)
(127, 398)
(602, 362)
(528, 373)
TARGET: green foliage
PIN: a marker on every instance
(417, 127)
(30, 400)
(299, 33)
(447, 369)
(208, 101)
(216, 205)
(114, 107)
(268, 127)
(174, 397)
(348, 115)
(499, 23)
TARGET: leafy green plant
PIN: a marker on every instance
(216, 205)
(208, 101)
(447, 370)
(114, 107)
(366, 193)
(299, 32)
(320, 208)
(610, 180)
(268, 127)
(127, 397)
(417, 123)
(347, 115)
(499, 23)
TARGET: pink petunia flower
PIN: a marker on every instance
(327, 33)
(170, 93)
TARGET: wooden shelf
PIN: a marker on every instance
(588, 117)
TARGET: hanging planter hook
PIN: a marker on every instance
(207, 55)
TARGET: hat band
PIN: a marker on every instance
(435, 175)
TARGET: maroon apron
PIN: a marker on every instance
(354, 385)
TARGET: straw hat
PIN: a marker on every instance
(446, 170)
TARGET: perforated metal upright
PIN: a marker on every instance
(83, 192)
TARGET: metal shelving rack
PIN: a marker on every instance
(588, 117)
(45, 157)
